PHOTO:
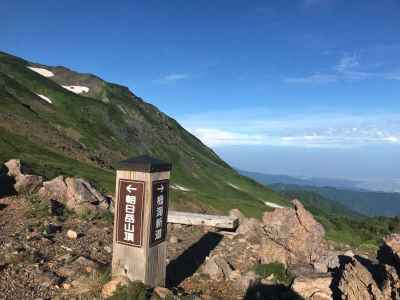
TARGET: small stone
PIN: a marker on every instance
(173, 240)
(110, 287)
(107, 249)
(66, 286)
(72, 235)
(162, 292)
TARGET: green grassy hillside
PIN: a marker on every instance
(86, 134)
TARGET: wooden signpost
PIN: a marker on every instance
(140, 222)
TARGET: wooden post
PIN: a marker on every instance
(140, 221)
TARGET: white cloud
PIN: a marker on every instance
(216, 137)
(348, 68)
(301, 130)
(347, 62)
(392, 139)
(313, 79)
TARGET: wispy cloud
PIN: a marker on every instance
(301, 130)
(173, 77)
(313, 79)
(348, 68)
(347, 62)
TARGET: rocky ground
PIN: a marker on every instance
(56, 243)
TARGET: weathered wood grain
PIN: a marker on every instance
(224, 222)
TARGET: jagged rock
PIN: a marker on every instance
(392, 245)
(79, 266)
(81, 193)
(327, 261)
(77, 194)
(357, 283)
(14, 167)
(251, 229)
(55, 188)
(217, 268)
(293, 236)
(273, 252)
(391, 285)
(110, 287)
(313, 286)
(24, 183)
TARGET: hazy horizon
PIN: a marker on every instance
(322, 163)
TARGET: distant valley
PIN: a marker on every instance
(354, 195)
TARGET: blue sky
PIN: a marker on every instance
(276, 79)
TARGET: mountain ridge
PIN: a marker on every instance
(85, 131)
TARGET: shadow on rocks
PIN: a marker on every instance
(385, 256)
(187, 264)
(271, 292)
(377, 270)
(6, 183)
(337, 275)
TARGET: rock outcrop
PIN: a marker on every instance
(24, 183)
(293, 236)
(313, 286)
(357, 283)
(77, 194)
(366, 279)
(217, 268)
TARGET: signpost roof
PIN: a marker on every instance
(144, 163)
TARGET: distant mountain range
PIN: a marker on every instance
(378, 185)
(310, 181)
(345, 192)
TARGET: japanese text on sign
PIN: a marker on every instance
(159, 212)
(130, 212)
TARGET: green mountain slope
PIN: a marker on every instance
(86, 134)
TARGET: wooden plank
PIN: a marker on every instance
(225, 222)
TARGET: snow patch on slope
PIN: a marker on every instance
(41, 71)
(77, 89)
(180, 188)
(274, 205)
(45, 98)
(234, 186)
